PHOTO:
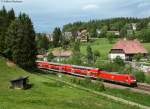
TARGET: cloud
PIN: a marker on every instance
(90, 7)
(48, 14)
(143, 4)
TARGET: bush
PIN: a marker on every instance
(50, 56)
(119, 61)
(147, 80)
(138, 56)
(97, 85)
(140, 76)
(109, 66)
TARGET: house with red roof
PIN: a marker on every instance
(126, 49)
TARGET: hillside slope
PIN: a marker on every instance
(47, 94)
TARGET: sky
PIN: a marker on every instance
(48, 14)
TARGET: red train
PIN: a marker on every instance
(89, 72)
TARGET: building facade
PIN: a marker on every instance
(127, 49)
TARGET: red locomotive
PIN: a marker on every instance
(88, 71)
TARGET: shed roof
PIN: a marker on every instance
(20, 78)
(62, 53)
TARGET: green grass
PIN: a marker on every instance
(129, 95)
(102, 45)
(126, 94)
(147, 79)
(47, 93)
(147, 46)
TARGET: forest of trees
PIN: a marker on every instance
(17, 39)
(114, 24)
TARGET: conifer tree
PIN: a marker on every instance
(5, 21)
(11, 15)
(57, 37)
(3, 28)
(42, 41)
(90, 57)
(22, 45)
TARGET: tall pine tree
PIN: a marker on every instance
(22, 45)
(3, 28)
(57, 37)
(5, 20)
(11, 15)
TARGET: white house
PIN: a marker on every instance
(50, 37)
(117, 52)
(68, 35)
(134, 26)
(126, 49)
(83, 35)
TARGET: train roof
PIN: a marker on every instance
(83, 67)
(75, 66)
(51, 63)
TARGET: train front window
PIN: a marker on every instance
(132, 77)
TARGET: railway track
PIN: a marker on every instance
(141, 87)
(144, 87)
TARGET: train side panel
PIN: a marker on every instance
(95, 73)
(114, 77)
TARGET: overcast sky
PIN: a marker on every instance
(47, 14)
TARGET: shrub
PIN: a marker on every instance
(119, 61)
(97, 85)
(110, 66)
(140, 76)
(50, 56)
(138, 56)
(147, 79)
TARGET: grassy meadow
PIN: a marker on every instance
(47, 93)
(147, 46)
(103, 46)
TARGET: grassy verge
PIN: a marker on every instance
(126, 94)
(129, 95)
(47, 93)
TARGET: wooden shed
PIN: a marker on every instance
(19, 83)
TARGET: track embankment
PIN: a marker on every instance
(117, 99)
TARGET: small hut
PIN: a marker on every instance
(20, 83)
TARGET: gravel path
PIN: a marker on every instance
(115, 86)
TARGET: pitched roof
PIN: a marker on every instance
(61, 53)
(130, 46)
